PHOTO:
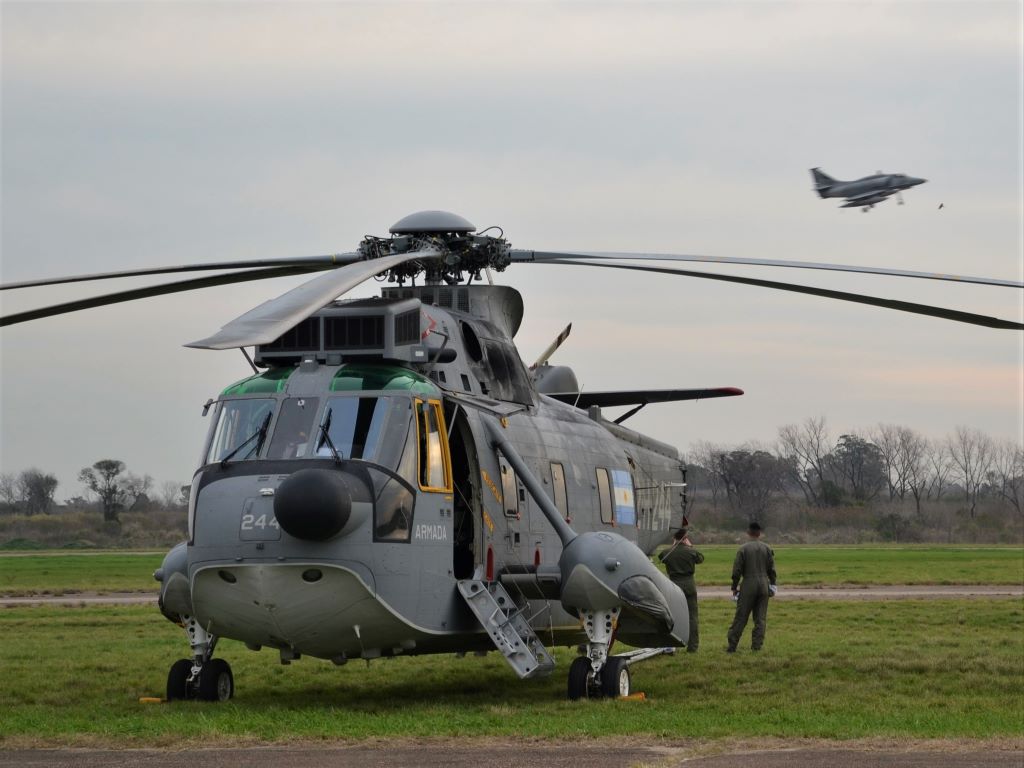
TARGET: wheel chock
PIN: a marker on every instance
(150, 700)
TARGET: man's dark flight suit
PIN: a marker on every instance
(680, 563)
(755, 564)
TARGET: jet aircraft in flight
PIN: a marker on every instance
(866, 192)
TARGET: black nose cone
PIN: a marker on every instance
(313, 504)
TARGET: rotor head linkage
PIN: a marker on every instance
(443, 231)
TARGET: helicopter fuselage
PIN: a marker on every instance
(369, 489)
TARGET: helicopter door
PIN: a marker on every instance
(466, 501)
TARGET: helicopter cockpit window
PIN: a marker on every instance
(239, 429)
(355, 426)
(435, 472)
(294, 427)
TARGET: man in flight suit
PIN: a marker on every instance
(755, 565)
(681, 560)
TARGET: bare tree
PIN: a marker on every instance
(9, 490)
(806, 448)
(971, 452)
(170, 494)
(705, 455)
(102, 478)
(888, 438)
(136, 490)
(914, 459)
(939, 468)
(1008, 474)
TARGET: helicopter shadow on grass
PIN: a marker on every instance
(454, 682)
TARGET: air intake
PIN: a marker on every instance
(388, 329)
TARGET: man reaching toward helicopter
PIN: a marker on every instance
(681, 560)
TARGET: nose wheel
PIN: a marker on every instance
(214, 681)
(202, 677)
(612, 681)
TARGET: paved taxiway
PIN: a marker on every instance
(511, 755)
(867, 592)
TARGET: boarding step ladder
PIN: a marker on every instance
(509, 630)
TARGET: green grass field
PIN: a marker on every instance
(907, 669)
(811, 566)
(58, 573)
(63, 573)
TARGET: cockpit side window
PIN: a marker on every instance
(294, 427)
(239, 429)
(435, 472)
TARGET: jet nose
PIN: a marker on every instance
(914, 181)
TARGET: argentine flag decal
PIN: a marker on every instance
(622, 492)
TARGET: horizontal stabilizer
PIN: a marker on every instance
(641, 396)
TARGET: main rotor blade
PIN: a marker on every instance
(155, 290)
(321, 262)
(858, 298)
(523, 255)
(272, 318)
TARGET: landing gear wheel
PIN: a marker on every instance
(177, 680)
(216, 683)
(615, 680)
(579, 678)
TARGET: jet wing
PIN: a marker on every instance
(876, 194)
(640, 396)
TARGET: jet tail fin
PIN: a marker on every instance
(822, 181)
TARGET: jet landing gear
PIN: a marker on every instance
(203, 678)
(596, 674)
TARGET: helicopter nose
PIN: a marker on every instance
(313, 504)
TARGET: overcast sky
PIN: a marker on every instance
(147, 134)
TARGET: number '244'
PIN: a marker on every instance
(261, 523)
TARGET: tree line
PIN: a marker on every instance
(107, 485)
(889, 468)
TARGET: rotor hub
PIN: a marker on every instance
(431, 222)
(462, 251)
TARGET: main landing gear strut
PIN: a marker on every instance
(202, 677)
(595, 674)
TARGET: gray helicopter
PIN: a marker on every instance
(393, 480)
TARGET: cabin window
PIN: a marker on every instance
(509, 490)
(558, 488)
(294, 427)
(435, 472)
(604, 496)
(241, 429)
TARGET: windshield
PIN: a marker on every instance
(356, 426)
(239, 421)
(293, 429)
